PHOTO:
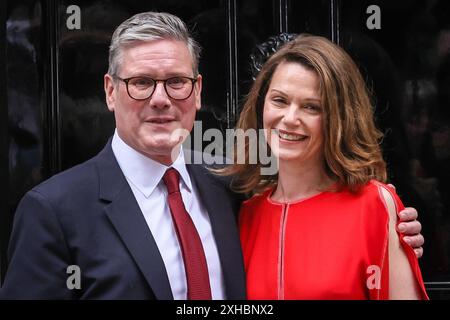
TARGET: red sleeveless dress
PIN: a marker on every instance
(333, 245)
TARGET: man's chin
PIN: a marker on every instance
(162, 149)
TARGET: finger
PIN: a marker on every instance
(410, 228)
(391, 185)
(416, 241)
(408, 214)
(418, 252)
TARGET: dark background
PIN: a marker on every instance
(53, 113)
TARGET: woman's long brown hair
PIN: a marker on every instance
(352, 149)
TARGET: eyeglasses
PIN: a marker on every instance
(141, 88)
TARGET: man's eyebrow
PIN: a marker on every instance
(169, 75)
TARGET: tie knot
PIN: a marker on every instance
(172, 180)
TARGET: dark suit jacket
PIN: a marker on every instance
(88, 216)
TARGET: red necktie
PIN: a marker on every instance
(197, 276)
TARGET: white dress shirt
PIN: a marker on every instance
(144, 176)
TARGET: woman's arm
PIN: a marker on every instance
(402, 282)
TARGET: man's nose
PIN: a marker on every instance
(159, 98)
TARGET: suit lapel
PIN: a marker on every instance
(224, 227)
(129, 222)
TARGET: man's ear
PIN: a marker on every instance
(108, 82)
(198, 92)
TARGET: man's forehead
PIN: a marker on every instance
(158, 49)
(165, 52)
(155, 42)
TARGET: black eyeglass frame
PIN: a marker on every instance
(164, 81)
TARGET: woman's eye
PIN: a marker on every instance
(279, 100)
(312, 107)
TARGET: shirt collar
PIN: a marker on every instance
(145, 173)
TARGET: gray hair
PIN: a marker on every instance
(150, 26)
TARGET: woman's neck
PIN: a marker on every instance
(298, 181)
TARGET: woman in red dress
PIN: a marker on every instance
(324, 226)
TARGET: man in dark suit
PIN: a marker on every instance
(107, 229)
